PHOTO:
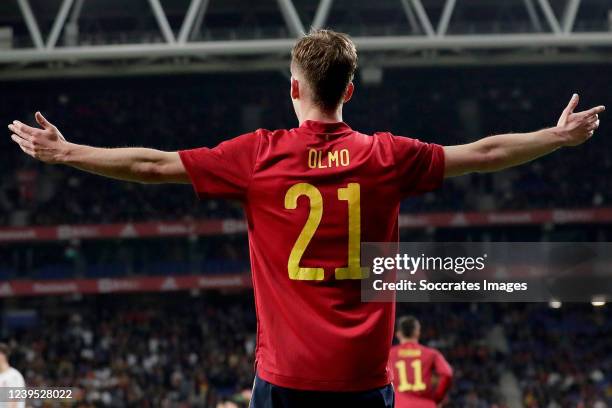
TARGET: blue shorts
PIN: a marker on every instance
(266, 395)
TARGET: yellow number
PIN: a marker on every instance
(352, 194)
(417, 371)
(314, 218)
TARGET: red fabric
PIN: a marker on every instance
(444, 383)
(317, 334)
(430, 361)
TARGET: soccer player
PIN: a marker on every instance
(9, 377)
(311, 195)
(413, 366)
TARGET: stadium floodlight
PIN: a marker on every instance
(555, 304)
(598, 302)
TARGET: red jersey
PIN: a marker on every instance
(413, 365)
(311, 196)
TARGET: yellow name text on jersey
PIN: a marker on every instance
(409, 353)
(317, 159)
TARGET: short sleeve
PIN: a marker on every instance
(419, 165)
(224, 171)
(16, 380)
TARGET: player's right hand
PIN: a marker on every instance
(46, 144)
(577, 128)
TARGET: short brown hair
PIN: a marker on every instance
(328, 61)
(407, 325)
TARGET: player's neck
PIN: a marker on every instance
(4, 367)
(409, 340)
(318, 115)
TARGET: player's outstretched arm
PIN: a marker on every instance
(131, 163)
(503, 151)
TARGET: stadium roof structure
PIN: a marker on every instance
(43, 38)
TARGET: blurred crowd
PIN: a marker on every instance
(447, 106)
(120, 258)
(224, 254)
(563, 358)
(163, 351)
(196, 350)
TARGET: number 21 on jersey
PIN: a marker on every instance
(352, 195)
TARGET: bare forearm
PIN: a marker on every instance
(508, 150)
(129, 163)
(502, 151)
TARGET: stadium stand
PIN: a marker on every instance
(181, 113)
(127, 350)
(166, 350)
(559, 355)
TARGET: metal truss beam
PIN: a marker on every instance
(320, 18)
(428, 44)
(533, 15)
(569, 15)
(58, 24)
(162, 21)
(30, 20)
(549, 14)
(264, 47)
(423, 17)
(197, 25)
(445, 18)
(412, 20)
(192, 15)
(292, 19)
(506, 59)
(76, 12)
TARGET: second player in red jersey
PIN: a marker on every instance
(415, 367)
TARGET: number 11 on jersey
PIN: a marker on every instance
(417, 374)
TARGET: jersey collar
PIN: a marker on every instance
(325, 127)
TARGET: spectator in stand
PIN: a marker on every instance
(152, 350)
(33, 195)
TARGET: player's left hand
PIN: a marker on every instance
(46, 144)
(578, 127)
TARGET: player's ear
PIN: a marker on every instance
(295, 88)
(349, 92)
